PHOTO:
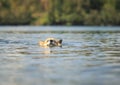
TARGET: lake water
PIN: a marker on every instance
(89, 56)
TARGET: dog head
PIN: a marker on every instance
(51, 42)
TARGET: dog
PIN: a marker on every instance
(51, 42)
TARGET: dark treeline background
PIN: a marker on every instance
(59, 12)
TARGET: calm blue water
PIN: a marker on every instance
(89, 56)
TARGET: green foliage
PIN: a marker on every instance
(59, 12)
(93, 18)
(96, 4)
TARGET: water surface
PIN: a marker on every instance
(89, 56)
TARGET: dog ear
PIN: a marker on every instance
(60, 41)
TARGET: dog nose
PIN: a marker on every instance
(51, 40)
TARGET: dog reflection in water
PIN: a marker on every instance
(49, 43)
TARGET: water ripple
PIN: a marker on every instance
(84, 55)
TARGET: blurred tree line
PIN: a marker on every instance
(59, 12)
